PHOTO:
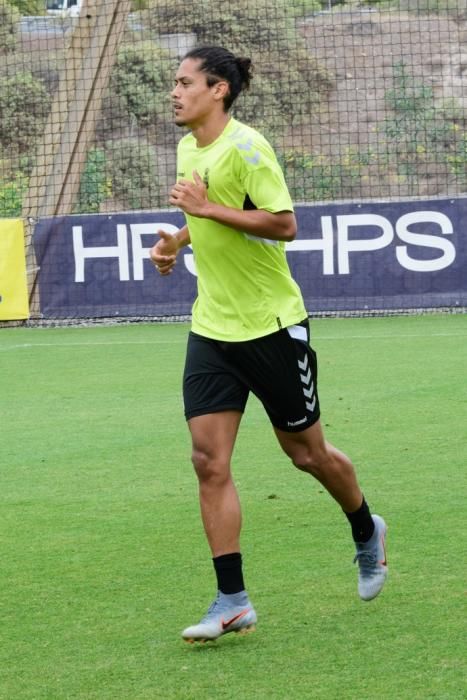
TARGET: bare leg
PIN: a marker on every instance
(310, 452)
(213, 438)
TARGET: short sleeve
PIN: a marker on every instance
(262, 176)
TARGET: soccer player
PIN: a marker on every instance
(250, 330)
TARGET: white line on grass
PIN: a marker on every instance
(27, 346)
(385, 336)
(391, 336)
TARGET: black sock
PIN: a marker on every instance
(229, 573)
(362, 523)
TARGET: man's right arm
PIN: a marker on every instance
(164, 253)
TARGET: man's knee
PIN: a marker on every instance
(208, 467)
(322, 463)
(309, 461)
(312, 459)
(202, 462)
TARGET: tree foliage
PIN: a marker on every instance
(421, 6)
(24, 105)
(132, 170)
(141, 79)
(12, 191)
(420, 132)
(279, 55)
(95, 185)
(29, 7)
(9, 18)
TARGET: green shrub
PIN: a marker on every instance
(457, 157)
(11, 195)
(141, 79)
(420, 132)
(29, 7)
(9, 18)
(311, 177)
(303, 8)
(420, 6)
(436, 6)
(24, 105)
(132, 169)
(95, 186)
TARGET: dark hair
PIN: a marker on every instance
(221, 64)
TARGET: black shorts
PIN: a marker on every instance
(280, 369)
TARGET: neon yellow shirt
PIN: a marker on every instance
(245, 289)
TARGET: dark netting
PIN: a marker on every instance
(363, 100)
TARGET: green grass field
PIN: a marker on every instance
(104, 560)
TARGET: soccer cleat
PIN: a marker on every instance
(371, 557)
(223, 616)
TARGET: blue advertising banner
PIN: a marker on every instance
(347, 256)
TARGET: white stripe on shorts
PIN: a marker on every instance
(297, 332)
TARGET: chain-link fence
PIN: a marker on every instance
(362, 100)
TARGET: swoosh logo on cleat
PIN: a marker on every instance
(234, 619)
(385, 561)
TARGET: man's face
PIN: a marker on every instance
(192, 99)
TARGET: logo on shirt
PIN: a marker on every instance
(206, 178)
(251, 155)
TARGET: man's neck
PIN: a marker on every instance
(207, 133)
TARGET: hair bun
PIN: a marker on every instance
(245, 69)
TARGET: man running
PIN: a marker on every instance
(250, 330)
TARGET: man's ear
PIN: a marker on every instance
(221, 89)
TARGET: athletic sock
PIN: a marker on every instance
(229, 574)
(361, 522)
